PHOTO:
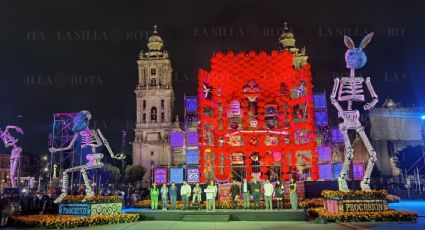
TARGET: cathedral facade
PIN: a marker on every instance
(155, 102)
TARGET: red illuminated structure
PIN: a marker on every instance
(256, 115)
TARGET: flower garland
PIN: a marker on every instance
(354, 195)
(389, 215)
(58, 221)
(70, 199)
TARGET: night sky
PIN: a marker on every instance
(66, 56)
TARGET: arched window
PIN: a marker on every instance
(144, 104)
(153, 114)
(144, 117)
(162, 117)
(162, 104)
(153, 82)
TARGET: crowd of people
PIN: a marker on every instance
(245, 190)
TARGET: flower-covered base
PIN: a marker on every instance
(324, 216)
(106, 205)
(355, 201)
(88, 209)
(357, 206)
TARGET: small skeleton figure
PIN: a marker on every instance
(350, 89)
(90, 138)
(10, 141)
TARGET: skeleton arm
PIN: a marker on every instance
(74, 139)
(18, 129)
(374, 96)
(119, 156)
(333, 95)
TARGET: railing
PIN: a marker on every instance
(152, 87)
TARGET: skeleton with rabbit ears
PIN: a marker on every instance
(350, 89)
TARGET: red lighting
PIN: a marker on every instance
(273, 123)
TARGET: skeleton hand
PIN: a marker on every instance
(19, 130)
(368, 106)
(53, 150)
(120, 156)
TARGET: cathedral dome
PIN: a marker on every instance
(155, 41)
(287, 39)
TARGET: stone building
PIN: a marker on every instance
(287, 42)
(155, 102)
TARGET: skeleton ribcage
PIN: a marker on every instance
(7, 139)
(87, 139)
(351, 89)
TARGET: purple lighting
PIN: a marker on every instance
(192, 139)
(176, 139)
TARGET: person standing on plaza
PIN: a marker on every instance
(255, 191)
(268, 194)
(279, 194)
(211, 195)
(173, 195)
(235, 192)
(164, 196)
(154, 196)
(245, 192)
(293, 195)
(185, 191)
(196, 198)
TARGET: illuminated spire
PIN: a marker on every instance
(155, 41)
(287, 43)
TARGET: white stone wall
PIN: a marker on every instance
(151, 145)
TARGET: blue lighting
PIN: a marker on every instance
(423, 117)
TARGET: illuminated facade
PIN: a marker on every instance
(155, 102)
(256, 114)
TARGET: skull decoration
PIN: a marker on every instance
(251, 91)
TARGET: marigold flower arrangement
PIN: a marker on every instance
(354, 195)
(227, 204)
(70, 199)
(58, 221)
(388, 215)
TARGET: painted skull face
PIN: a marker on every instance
(81, 121)
(251, 91)
(355, 58)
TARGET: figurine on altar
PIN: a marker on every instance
(350, 89)
(15, 156)
(90, 138)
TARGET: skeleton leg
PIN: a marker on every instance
(13, 171)
(65, 179)
(14, 160)
(372, 159)
(64, 189)
(342, 183)
(89, 190)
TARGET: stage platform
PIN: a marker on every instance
(222, 215)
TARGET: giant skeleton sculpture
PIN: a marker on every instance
(90, 138)
(350, 89)
(15, 156)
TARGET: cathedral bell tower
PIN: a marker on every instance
(155, 101)
(287, 42)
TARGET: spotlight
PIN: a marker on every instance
(423, 117)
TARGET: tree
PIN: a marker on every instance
(134, 173)
(111, 173)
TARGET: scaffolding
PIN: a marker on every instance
(60, 137)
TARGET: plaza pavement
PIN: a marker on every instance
(250, 225)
